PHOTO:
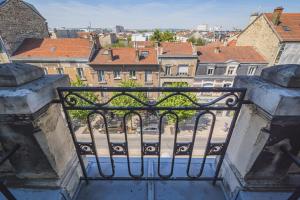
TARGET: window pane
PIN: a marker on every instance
(148, 76)
(117, 74)
(101, 76)
(80, 73)
(60, 70)
(132, 73)
(183, 69)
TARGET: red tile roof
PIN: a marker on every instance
(290, 20)
(63, 48)
(242, 54)
(125, 56)
(176, 48)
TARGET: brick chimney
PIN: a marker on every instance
(276, 15)
(137, 55)
(96, 41)
(217, 50)
(110, 54)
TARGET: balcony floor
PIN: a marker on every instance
(159, 190)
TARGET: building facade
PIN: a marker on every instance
(112, 66)
(275, 36)
(178, 61)
(20, 20)
(59, 56)
(219, 65)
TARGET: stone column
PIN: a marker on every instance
(254, 160)
(46, 160)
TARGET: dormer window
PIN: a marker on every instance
(144, 54)
(210, 70)
(231, 70)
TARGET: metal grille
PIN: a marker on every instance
(74, 99)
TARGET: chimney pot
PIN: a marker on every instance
(137, 55)
(276, 15)
(217, 50)
(110, 54)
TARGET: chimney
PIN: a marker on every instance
(276, 15)
(253, 17)
(137, 55)
(96, 41)
(217, 50)
(110, 54)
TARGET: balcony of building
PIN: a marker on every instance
(147, 150)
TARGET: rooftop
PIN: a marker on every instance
(288, 28)
(125, 56)
(176, 48)
(53, 49)
(242, 54)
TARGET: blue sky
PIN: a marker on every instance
(156, 13)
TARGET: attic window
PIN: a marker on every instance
(286, 28)
(144, 54)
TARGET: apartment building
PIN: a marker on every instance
(178, 62)
(120, 64)
(58, 56)
(218, 65)
(274, 35)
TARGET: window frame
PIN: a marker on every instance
(131, 72)
(146, 79)
(80, 73)
(60, 70)
(210, 68)
(168, 70)
(183, 74)
(117, 72)
(101, 73)
(249, 69)
(233, 71)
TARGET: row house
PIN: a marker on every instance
(58, 56)
(274, 35)
(178, 61)
(218, 66)
(112, 66)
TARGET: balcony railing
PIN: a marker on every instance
(76, 99)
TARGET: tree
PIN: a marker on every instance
(162, 36)
(126, 101)
(81, 115)
(178, 100)
(157, 36)
(197, 42)
(168, 36)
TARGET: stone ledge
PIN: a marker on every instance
(30, 97)
(274, 99)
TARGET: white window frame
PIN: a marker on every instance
(251, 69)
(101, 73)
(168, 70)
(60, 70)
(131, 72)
(147, 79)
(117, 74)
(45, 70)
(210, 68)
(80, 72)
(187, 73)
(234, 70)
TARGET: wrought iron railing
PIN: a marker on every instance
(76, 99)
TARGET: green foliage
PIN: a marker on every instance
(162, 36)
(81, 114)
(197, 42)
(127, 101)
(177, 101)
